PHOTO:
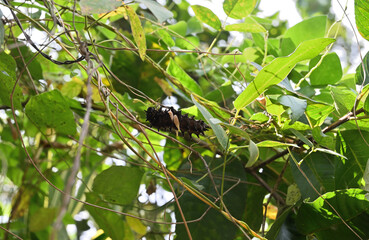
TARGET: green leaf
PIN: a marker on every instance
(366, 177)
(302, 137)
(159, 11)
(214, 226)
(349, 172)
(51, 110)
(324, 223)
(361, 17)
(7, 82)
(293, 195)
(318, 168)
(42, 218)
(205, 15)
(194, 26)
(248, 55)
(328, 72)
(180, 28)
(279, 68)
(176, 71)
(218, 130)
(237, 131)
(366, 105)
(344, 99)
(249, 25)
(238, 9)
(98, 6)
(322, 139)
(137, 31)
(270, 143)
(110, 222)
(317, 113)
(308, 29)
(73, 88)
(359, 75)
(254, 154)
(298, 106)
(118, 184)
(25, 55)
(165, 36)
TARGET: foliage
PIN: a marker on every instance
(286, 155)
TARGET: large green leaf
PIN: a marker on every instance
(318, 168)
(214, 225)
(344, 99)
(176, 71)
(279, 68)
(238, 8)
(118, 184)
(320, 219)
(42, 218)
(308, 29)
(51, 110)
(7, 82)
(351, 170)
(362, 17)
(328, 72)
(205, 15)
(113, 225)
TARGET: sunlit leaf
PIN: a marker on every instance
(137, 31)
(249, 25)
(361, 17)
(176, 71)
(238, 8)
(328, 72)
(51, 110)
(279, 68)
(207, 16)
(324, 222)
(308, 29)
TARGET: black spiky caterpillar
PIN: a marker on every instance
(169, 118)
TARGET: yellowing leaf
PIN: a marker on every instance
(137, 31)
(119, 11)
(205, 15)
(136, 225)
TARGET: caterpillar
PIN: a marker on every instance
(169, 118)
